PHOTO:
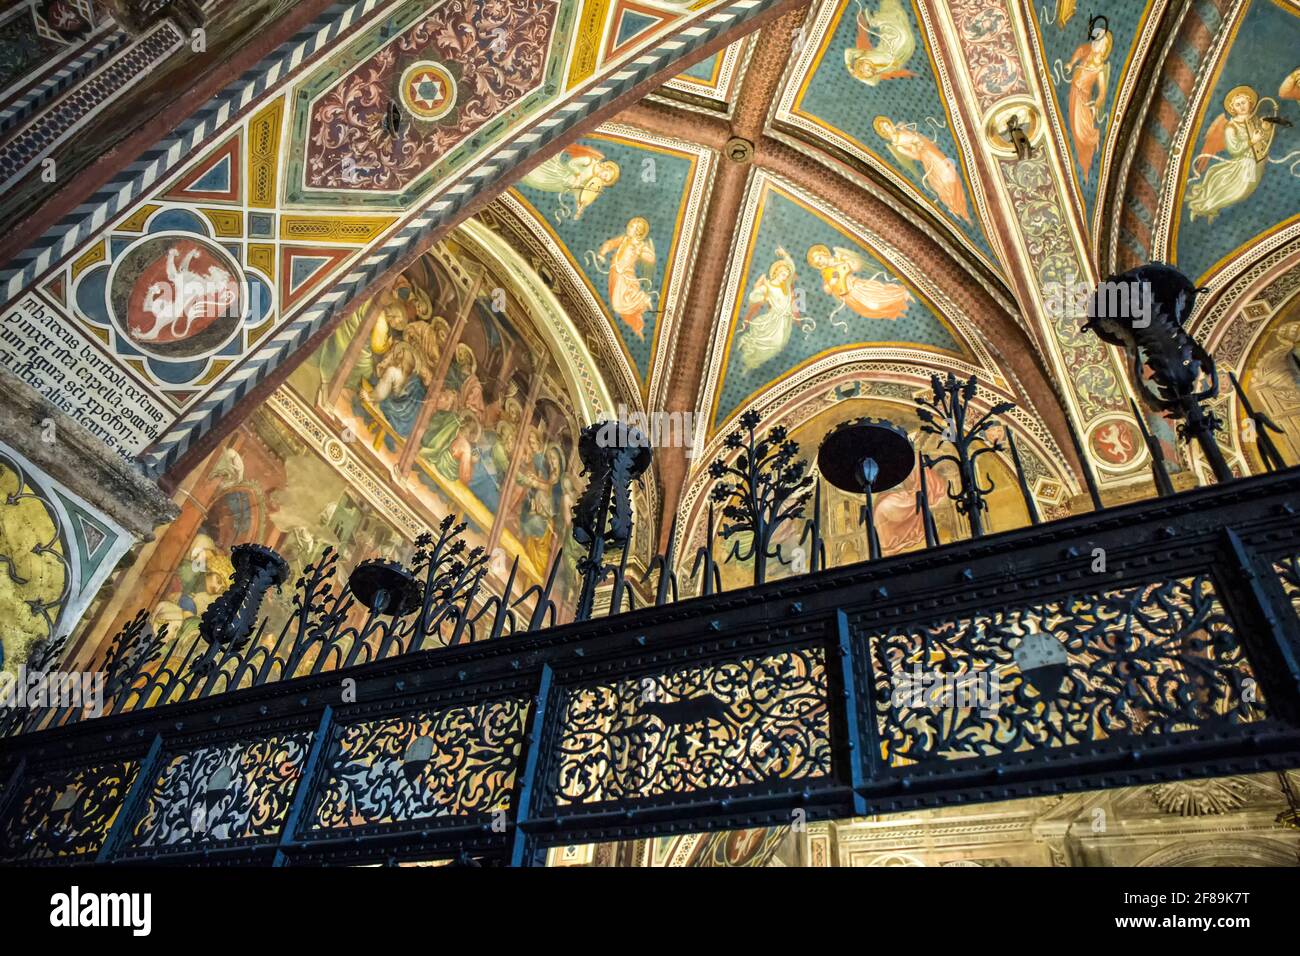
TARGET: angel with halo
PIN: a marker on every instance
(1218, 182)
(921, 156)
(870, 298)
(631, 273)
(766, 325)
(885, 42)
(579, 173)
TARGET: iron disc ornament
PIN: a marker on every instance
(863, 456)
(847, 449)
(386, 587)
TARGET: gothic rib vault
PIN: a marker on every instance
(817, 203)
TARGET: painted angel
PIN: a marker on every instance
(631, 272)
(884, 44)
(1290, 88)
(920, 156)
(579, 173)
(1222, 181)
(868, 297)
(1088, 71)
(765, 327)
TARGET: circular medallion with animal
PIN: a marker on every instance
(177, 296)
(1113, 442)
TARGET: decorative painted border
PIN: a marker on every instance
(734, 60)
(130, 186)
(104, 42)
(23, 151)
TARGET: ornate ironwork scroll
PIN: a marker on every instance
(1150, 659)
(767, 487)
(328, 628)
(237, 791)
(1288, 572)
(448, 763)
(66, 813)
(944, 416)
(708, 727)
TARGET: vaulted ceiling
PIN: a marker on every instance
(825, 202)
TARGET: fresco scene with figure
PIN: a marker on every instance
(1089, 50)
(870, 84)
(263, 485)
(621, 210)
(494, 445)
(809, 289)
(1242, 179)
(444, 431)
(455, 399)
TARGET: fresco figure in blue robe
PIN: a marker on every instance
(393, 371)
(456, 424)
(543, 499)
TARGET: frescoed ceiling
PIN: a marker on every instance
(803, 288)
(339, 157)
(738, 205)
(1088, 55)
(866, 83)
(1240, 181)
(624, 206)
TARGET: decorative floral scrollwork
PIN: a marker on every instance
(66, 812)
(768, 488)
(1150, 659)
(944, 416)
(454, 762)
(752, 721)
(235, 791)
(1288, 572)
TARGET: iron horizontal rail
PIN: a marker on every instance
(1182, 536)
(1265, 510)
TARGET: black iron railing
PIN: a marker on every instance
(1151, 641)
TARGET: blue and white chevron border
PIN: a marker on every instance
(137, 178)
(95, 53)
(134, 180)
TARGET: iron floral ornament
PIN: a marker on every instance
(945, 416)
(614, 454)
(770, 488)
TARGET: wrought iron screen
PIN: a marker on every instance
(1015, 664)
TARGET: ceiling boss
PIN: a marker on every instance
(428, 90)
